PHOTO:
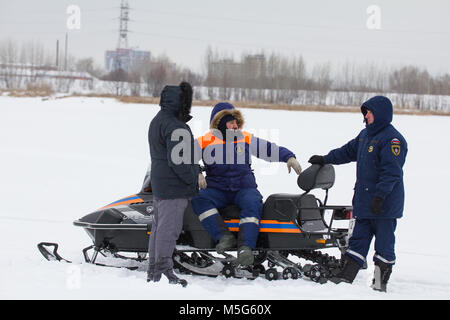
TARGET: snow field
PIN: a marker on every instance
(63, 158)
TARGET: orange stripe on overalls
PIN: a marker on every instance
(210, 139)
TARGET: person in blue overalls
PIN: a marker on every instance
(380, 152)
(226, 151)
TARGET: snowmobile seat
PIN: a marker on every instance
(316, 177)
(282, 207)
(309, 214)
(291, 207)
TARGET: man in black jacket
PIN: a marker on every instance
(174, 177)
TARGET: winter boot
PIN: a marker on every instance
(381, 276)
(155, 277)
(245, 256)
(227, 241)
(348, 271)
(173, 279)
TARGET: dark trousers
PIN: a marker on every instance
(249, 200)
(166, 228)
(384, 232)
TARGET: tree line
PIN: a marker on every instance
(267, 77)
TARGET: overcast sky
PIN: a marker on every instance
(412, 31)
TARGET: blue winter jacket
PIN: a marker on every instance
(380, 152)
(228, 162)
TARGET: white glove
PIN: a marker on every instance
(293, 163)
(201, 181)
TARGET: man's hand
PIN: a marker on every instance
(376, 206)
(201, 181)
(316, 160)
(293, 163)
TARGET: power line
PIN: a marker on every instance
(237, 20)
(285, 24)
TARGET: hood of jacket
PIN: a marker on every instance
(177, 100)
(224, 108)
(171, 99)
(382, 110)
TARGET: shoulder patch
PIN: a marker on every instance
(395, 149)
(395, 141)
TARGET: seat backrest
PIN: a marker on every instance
(316, 176)
(309, 216)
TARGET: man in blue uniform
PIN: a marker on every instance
(380, 152)
(226, 152)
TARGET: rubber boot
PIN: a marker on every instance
(173, 279)
(227, 241)
(245, 256)
(348, 271)
(381, 276)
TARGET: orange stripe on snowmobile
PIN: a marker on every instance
(267, 226)
(131, 199)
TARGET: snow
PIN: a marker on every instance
(64, 158)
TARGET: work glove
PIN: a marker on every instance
(376, 206)
(293, 163)
(201, 181)
(317, 160)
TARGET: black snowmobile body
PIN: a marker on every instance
(291, 224)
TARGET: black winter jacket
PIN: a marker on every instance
(171, 179)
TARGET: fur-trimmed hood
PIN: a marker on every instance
(220, 110)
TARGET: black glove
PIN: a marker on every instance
(376, 206)
(316, 160)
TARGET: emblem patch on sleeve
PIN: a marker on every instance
(239, 148)
(395, 146)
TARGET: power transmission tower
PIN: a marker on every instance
(123, 28)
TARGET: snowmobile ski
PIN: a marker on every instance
(55, 256)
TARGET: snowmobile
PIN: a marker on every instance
(291, 225)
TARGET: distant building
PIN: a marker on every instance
(34, 72)
(124, 59)
(224, 66)
(255, 64)
(24, 76)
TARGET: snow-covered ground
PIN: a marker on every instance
(63, 158)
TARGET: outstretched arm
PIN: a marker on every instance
(345, 154)
(269, 151)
